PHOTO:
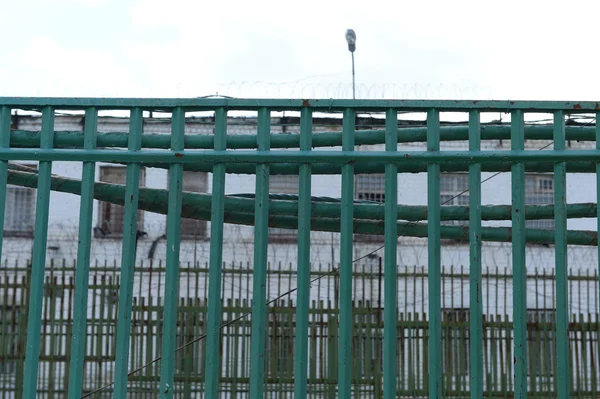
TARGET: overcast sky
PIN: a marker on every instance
(511, 49)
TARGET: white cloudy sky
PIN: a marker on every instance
(186, 48)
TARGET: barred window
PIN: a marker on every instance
(111, 216)
(19, 214)
(20, 211)
(539, 190)
(454, 192)
(195, 182)
(283, 184)
(370, 187)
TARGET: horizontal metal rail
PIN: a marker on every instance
(208, 157)
(324, 168)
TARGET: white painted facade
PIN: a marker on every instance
(239, 240)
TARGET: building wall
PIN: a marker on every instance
(238, 243)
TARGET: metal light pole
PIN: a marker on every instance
(351, 39)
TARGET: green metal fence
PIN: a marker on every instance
(281, 329)
(256, 157)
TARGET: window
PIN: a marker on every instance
(19, 213)
(455, 342)
(283, 184)
(370, 188)
(539, 190)
(111, 215)
(454, 192)
(541, 345)
(195, 182)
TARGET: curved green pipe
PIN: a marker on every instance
(287, 204)
(197, 206)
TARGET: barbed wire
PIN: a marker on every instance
(343, 90)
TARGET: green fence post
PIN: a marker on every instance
(213, 324)
(128, 257)
(434, 257)
(38, 265)
(169, 324)
(391, 271)
(518, 258)
(560, 256)
(475, 288)
(261, 241)
(346, 239)
(303, 265)
(79, 334)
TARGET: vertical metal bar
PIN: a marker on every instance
(261, 231)
(346, 238)
(390, 316)
(560, 255)
(169, 325)
(213, 368)
(518, 258)
(128, 257)
(4, 143)
(302, 307)
(434, 257)
(476, 319)
(79, 333)
(598, 211)
(36, 296)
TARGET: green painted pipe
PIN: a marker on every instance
(74, 139)
(287, 204)
(156, 200)
(207, 158)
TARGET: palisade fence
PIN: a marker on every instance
(367, 341)
(429, 337)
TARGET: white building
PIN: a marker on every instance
(238, 247)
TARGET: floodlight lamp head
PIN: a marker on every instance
(351, 39)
